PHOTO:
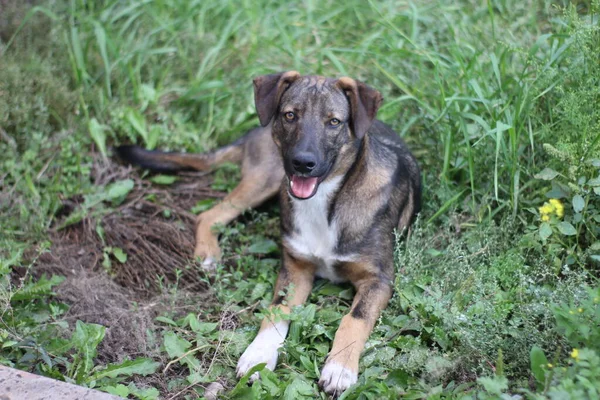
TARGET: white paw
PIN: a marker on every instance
(209, 264)
(335, 378)
(263, 349)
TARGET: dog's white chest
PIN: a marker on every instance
(314, 237)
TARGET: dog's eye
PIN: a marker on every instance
(289, 116)
(334, 122)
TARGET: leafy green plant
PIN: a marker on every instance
(32, 334)
(580, 379)
(92, 205)
(539, 365)
(226, 177)
(569, 218)
(569, 221)
(496, 99)
(580, 322)
(115, 252)
(132, 390)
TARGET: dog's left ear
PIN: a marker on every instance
(364, 103)
(267, 93)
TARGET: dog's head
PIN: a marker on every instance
(313, 120)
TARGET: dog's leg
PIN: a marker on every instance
(296, 277)
(341, 368)
(248, 194)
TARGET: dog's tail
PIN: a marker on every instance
(161, 161)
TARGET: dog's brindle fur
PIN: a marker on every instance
(369, 185)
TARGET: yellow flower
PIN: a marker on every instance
(553, 206)
(575, 354)
(550, 365)
(558, 206)
(547, 209)
(580, 309)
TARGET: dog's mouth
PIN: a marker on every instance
(302, 187)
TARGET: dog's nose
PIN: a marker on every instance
(304, 162)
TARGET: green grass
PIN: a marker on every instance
(496, 99)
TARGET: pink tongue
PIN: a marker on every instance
(302, 187)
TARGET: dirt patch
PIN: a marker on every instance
(154, 228)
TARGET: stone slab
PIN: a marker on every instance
(20, 385)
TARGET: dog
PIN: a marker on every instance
(346, 183)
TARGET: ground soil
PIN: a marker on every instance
(154, 227)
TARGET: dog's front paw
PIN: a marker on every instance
(208, 255)
(262, 350)
(335, 378)
(208, 263)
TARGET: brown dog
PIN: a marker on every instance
(346, 182)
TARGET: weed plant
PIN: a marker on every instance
(496, 293)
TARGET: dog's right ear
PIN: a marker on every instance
(267, 93)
